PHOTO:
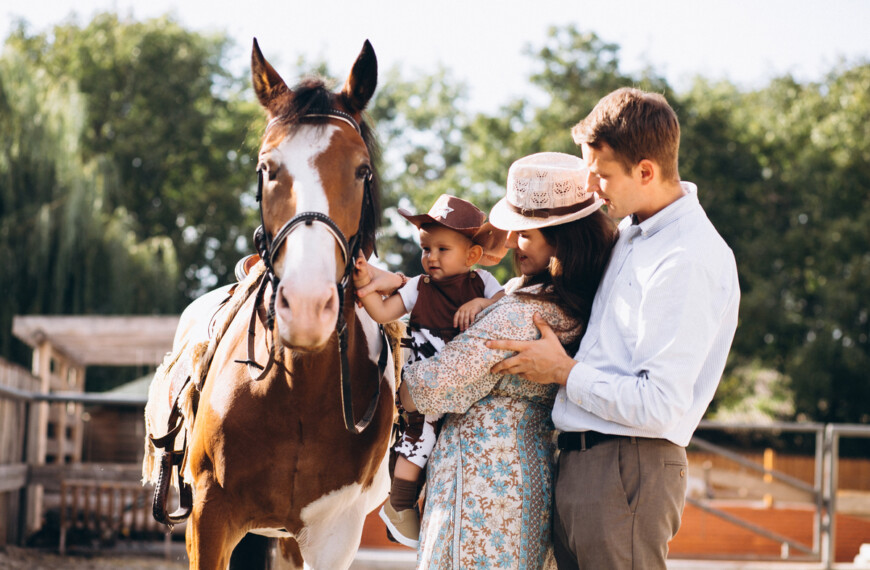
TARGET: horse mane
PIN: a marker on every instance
(311, 97)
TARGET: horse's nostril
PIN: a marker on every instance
(330, 303)
(282, 301)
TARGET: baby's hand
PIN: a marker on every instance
(466, 313)
(361, 274)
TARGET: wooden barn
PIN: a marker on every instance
(56, 434)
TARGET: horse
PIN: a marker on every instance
(275, 447)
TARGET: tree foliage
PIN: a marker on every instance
(160, 107)
(60, 253)
(128, 152)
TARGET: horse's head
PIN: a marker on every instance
(318, 193)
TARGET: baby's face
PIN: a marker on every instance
(446, 252)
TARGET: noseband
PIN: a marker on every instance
(268, 247)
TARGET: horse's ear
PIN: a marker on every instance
(268, 85)
(363, 78)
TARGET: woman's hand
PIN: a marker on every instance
(543, 361)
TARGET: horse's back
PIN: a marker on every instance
(193, 326)
(171, 375)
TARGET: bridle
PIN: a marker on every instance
(268, 247)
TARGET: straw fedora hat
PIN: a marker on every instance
(544, 189)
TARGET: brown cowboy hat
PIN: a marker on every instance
(466, 218)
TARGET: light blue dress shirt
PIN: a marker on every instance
(661, 327)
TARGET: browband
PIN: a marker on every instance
(339, 115)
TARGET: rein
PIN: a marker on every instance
(268, 247)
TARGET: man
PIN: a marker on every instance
(653, 352)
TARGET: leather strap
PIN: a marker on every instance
(547, 212)
(583, 440)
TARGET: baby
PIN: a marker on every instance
(441, 302)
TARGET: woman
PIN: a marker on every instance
(489, 481)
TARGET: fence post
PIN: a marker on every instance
(829, 523)
(819, 486)
(36, 436)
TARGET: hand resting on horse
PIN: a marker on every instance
(543, 361)
(380, 280)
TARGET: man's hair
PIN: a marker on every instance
(637, 125)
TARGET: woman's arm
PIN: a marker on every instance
(457, 377)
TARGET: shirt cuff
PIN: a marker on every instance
(579, 383)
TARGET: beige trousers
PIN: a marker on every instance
(618, 504)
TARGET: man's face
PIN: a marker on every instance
(620, 190)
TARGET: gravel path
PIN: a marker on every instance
(14, 558)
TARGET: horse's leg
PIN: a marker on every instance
(211, 533)
(332, 542)
(285, 554)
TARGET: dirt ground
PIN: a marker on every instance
(15, 558)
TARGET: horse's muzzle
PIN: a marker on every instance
(306, 316)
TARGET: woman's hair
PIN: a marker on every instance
(582, 250)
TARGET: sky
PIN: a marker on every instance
(483, 43)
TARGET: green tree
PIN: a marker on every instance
(176, 126)
(420, 123)
(785, 172)
(59, 253)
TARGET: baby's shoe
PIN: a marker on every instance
(402, 526)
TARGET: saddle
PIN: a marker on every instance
(182, 376)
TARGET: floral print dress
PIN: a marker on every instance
(490, 478)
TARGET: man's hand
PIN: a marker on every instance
(543, 361)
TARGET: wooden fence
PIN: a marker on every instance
(13, 432)
(104, 511)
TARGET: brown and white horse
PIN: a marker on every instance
(273, 455)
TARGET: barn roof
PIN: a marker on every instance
(101, 340)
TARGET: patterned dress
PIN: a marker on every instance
(489, 480)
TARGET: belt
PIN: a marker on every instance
(583, 440)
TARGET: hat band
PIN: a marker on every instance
(547, 212)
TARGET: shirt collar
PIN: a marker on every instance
(670, 213)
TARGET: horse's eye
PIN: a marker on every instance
(271, 170)
(364, 172)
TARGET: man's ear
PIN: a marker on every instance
(475, 252)
(647, 171)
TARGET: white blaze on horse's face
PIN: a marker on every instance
(306, 305)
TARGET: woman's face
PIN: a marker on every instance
(532, 251)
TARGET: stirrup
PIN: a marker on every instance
(168, 460)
